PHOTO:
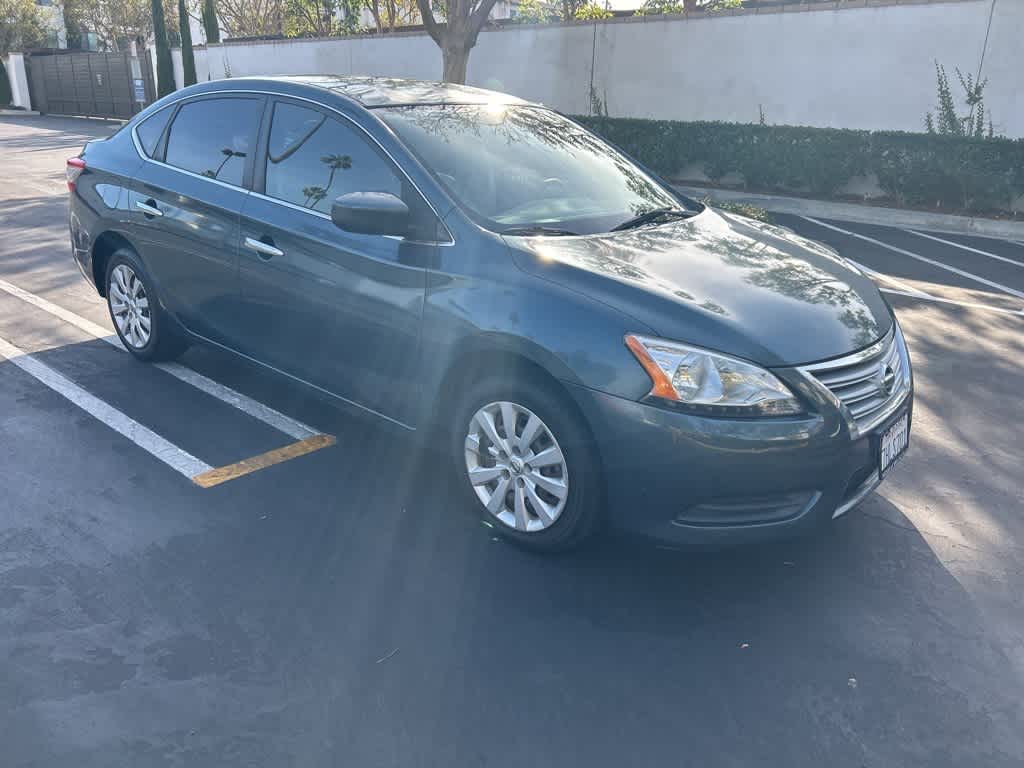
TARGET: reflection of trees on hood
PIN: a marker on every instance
(533, 125)
(617, 258)
(775, 270)
(763, 265)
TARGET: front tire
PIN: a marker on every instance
(527, 464)
(143, 327)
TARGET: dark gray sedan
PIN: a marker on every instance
(589, 346)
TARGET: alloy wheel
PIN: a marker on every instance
(516, 467)
(129, 306)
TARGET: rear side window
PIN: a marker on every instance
(150, 130)
(213, 137)
(313, 158)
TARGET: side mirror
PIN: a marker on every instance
(371, 213)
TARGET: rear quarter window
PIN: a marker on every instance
(151, 129)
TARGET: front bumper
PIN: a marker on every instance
(685, 480)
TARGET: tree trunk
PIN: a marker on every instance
(210, 25)
(188, 57)
(164, 63)
(457, 36)
(5, 85)
(455, 59)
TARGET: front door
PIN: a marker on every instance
(339, 310)
(186, 207)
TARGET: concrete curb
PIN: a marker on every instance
(18, 113)
(866, 214)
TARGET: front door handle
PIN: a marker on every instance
(264, 249)
(149, 207)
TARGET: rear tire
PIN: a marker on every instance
(145, 329)
(524, 502)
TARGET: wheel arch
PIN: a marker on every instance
(489, 355)
(524, 372)
(103, 248)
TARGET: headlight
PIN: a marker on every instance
(711, 383)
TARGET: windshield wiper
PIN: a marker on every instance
(537, 229)
(654, 215)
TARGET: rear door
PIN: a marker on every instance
(185, 202)
(337, 309)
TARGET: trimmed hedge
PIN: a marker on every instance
(916, 169)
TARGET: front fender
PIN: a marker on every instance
(571, 337)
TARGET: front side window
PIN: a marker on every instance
(213, 137)
(313, 158)
(516, 166)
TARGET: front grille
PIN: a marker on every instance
(870, 382)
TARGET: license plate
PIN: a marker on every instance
(893, 442)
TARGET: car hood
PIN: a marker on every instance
(722, 282)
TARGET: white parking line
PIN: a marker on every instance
(919, 257)
(966, 247)
(902, 288)
(915, 294)
(149, 441)
(225, 394)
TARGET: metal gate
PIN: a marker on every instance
(92, 84)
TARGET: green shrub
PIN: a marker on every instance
(949, 171)
(743, 209)
(591, 11)
(918, 169)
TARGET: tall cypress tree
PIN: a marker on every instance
(188, 58)
(164, 65)
(5, 86)
(210, 22)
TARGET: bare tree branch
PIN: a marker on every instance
(433, 28)
(479, 16)
(250, 18)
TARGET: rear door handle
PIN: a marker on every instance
(149, 207)
(264, 249)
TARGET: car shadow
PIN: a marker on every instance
(855, 642)
(349, 608)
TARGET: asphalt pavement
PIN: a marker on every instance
(341, 609)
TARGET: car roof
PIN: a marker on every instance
(393, 91)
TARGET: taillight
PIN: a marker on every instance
(74, 169)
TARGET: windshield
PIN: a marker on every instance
(517, 167)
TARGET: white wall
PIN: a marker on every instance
(15, 64)
(399, 55)
(202, 70)
(1003, 60)
(871, 67)
(179, 69)
(853, 67)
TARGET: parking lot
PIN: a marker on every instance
(331, 604)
